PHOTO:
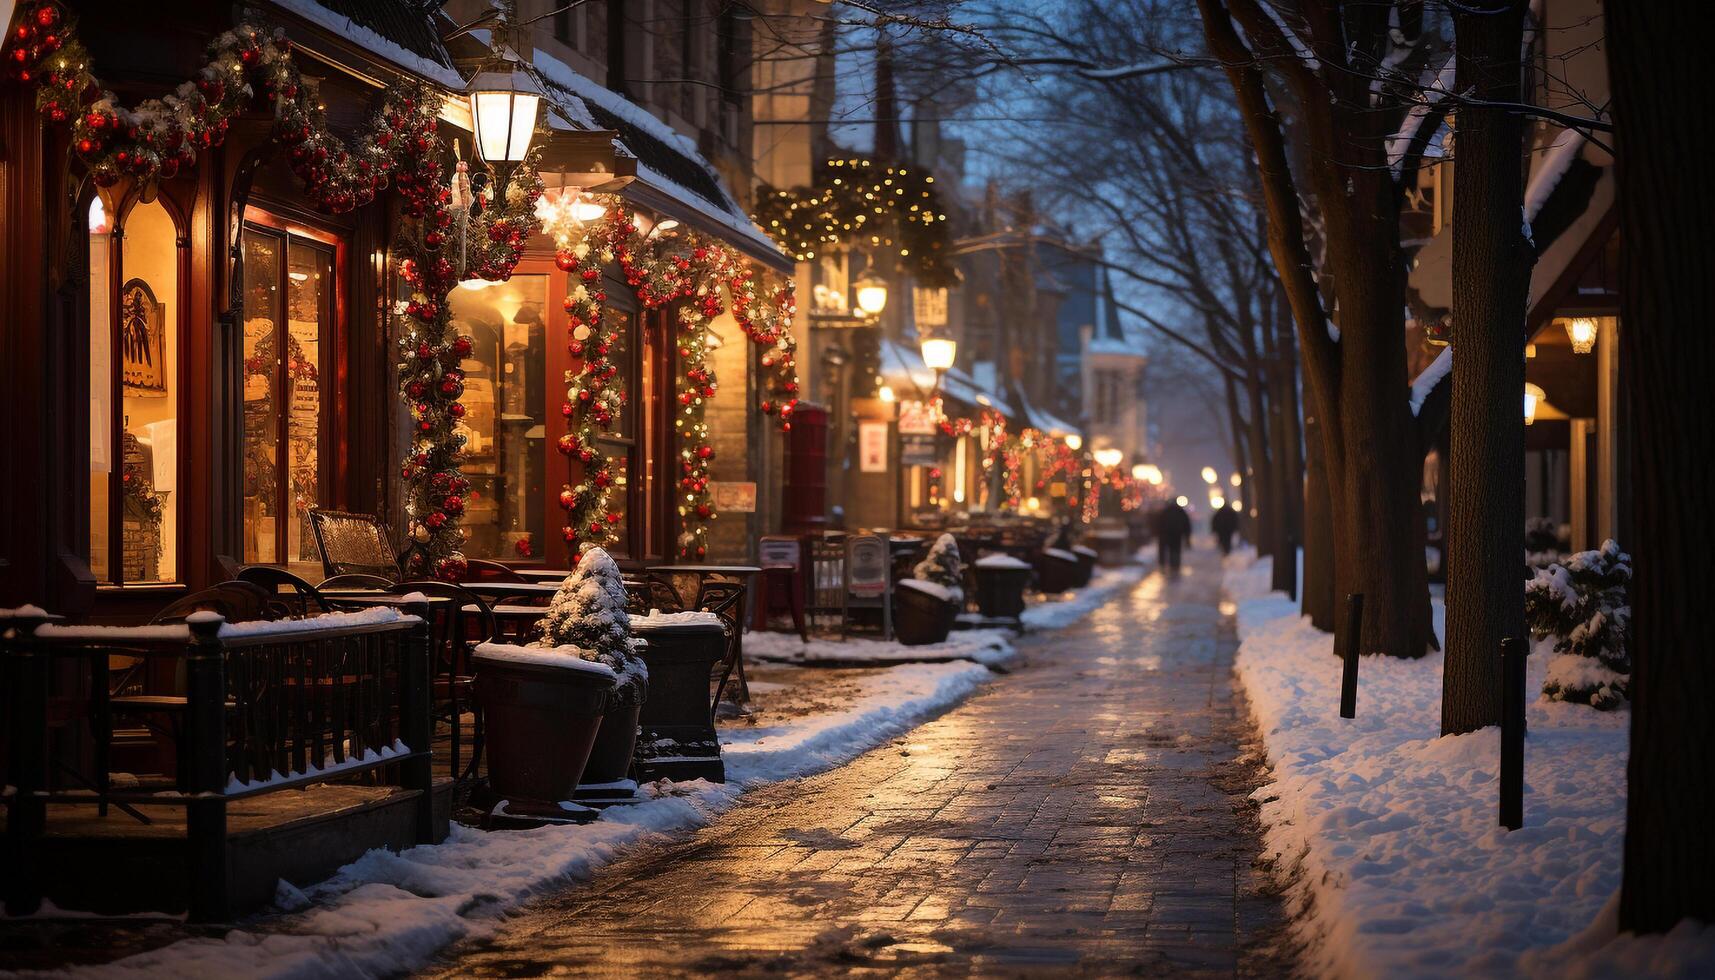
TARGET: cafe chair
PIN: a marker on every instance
(355, 580)
(483, 570)
(467, 621)
(289, 597)
(354, 543)
(726, 600)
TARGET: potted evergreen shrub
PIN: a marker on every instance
(543, 706)
(588, 613)
(925, 606)
(1581, 603)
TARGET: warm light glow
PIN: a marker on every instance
(1182, 500)
(1033, 504)
(885, 393)
(983, 400)
(1216, 501)
(97, 217)
(1237, 503)
(1209, 474)
(1533, 398)
(959, 472)
(1236, 480)
(871, 294)
(1110, 457)
(1581, 330)
(938, 353)
(1074, 442)
(1140, 472)
(475, 284)
(503, 107)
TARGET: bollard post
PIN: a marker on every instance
(416, 719)
(203, 777)
(1513, 653)
(1353, 644)
(26, 694)
(1291, 557)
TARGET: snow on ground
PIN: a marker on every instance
(1051, 612)
(984, 646)
(1403, 870)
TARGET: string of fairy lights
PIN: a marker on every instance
(883, 207)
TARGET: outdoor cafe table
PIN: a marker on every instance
(555, 575)
(512, 590)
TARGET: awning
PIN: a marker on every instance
(672, 176)
(903, 370)
(1046, 421)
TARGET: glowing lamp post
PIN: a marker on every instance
(871, 294)
(1110, 457)
(1534, 396)
(1074, 442)
(504, 102)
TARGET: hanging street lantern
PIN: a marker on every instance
(1581, 330)
(1074, 442)
(1110, 457)
(871, 294)
(1534, 396)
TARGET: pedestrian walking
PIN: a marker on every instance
(1172, 533)
(1225, 524)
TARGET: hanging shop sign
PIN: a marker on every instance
(916, 418)
(733, 497)
(918, 450)
(872, 447)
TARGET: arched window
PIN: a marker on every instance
(134, 353)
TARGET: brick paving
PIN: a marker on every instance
(1084, 814)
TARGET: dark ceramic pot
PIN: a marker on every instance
(541, 723)
(920, 618)
(610, 756)
(1057, 573)
(1000, 591)
(678, 739)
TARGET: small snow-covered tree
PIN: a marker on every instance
(1582, 604)
(588, 612)
(942, 566)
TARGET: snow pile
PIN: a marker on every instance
(983, 646)
(1001, 561)
(389, 913)
(690, 618)
(565, 657)
(1388, 835)
(1045, 612)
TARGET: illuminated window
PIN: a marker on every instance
(288, 326)
(504, 401)
(134, 347)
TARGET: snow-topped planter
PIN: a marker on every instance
(924, 607)
(677, 740)
(588, 612)
(1059, 570)
(541, 708)
(1000, 586)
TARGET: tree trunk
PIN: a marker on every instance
(1287, 473)
(1492, 260)
(1261, 482)
(1318, 586)
(1660, 74)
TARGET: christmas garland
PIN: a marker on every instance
(877, 205)
(160, 137)
(683, 267)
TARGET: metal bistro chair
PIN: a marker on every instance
(469, 620)
(237, 602)
(358, 543)
(483, 570)
(726, 600)
(644, 595)
(289, 597)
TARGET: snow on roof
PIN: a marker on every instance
(1432, 375)
(577, 105)
(1550, 167)
(373, 42)
(1400, 142)
(1045, 420)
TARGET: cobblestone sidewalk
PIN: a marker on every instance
(1085, 814)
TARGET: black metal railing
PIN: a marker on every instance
(263, 707)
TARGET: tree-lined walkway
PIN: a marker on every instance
(1086, 813)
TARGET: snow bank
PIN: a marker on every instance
(1402, 868)
(983, 646)
(1053, 612)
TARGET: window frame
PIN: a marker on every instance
(331, 371)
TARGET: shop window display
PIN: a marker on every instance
(504, 425)
(134, 346)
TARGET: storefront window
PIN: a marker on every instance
(288, 317)
(505, 400)
(133, 396)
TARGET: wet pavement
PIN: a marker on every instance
(1084, 814)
